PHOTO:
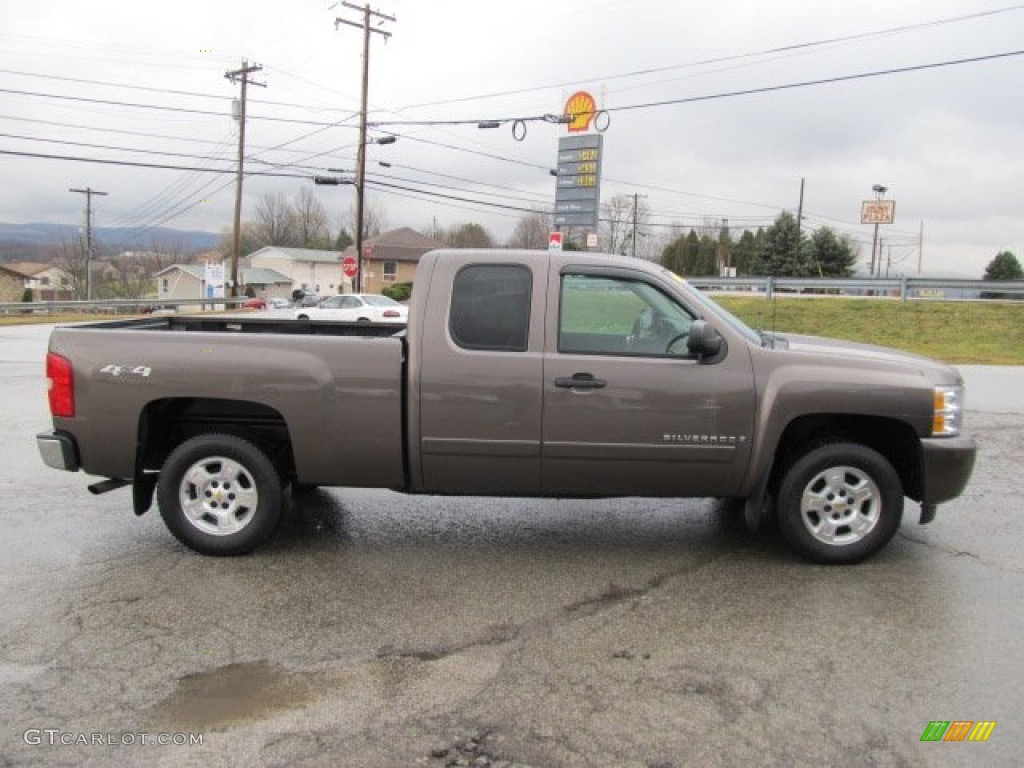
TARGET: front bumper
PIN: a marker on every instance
(946, 465)
(58, 450)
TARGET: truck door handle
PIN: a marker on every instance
(580, 381)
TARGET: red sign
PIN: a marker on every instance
(554, 241)
(349, 266)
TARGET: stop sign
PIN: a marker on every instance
(349, 266)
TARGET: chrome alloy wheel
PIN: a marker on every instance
(841, 505)
(218, 496)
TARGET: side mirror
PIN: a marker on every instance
(703, 341)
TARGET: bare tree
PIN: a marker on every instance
(249, 241)
(68, 253)
(531, 231)
(311, 221)
(617, 215)
(374, 219)
(275, 221)
(469, 236)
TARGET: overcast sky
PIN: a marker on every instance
(945, 140)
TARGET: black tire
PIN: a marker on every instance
(302, 317)
(840, 503)
(220, 495)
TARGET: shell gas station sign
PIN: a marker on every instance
(581, 109)
(578, 192)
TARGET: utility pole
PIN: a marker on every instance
(240, 75)
(724, 251)
(636, 217)
(88, 192)
(920, 248)
(799, 221)
(364, 25)
(636, 200)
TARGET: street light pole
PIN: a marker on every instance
(879, 191)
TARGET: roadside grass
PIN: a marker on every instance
(965, 332)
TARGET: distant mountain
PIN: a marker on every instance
(41, 234)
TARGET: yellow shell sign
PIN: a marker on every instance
(581, 107)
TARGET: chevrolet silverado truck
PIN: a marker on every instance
(519, 374)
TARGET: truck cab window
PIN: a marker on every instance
(490, 307)
(616, 316)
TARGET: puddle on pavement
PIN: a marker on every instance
(232, 694)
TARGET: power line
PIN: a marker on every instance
(164, 91)
(723, 59)
(708, 97)
(158, 107)
(161, 166)
(822, 81)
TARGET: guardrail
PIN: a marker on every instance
(904, 288)
(115, 306)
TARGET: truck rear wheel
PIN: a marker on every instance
(840, 503)
(220, 495)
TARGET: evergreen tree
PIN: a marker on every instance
(831, 255)
(744, 253)
(1004, 267)
(780, 256)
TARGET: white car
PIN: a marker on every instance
(357, 308)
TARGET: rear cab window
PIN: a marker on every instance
(490, 307)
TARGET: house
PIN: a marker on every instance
(12, 284)
(47, 282)
(315, 270)
(392, 257)
(187, 281)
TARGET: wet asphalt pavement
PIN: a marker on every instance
(379, 630)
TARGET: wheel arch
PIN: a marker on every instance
(895, 440)
(166, 423)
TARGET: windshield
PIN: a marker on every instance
(380, 301)
(717, 309)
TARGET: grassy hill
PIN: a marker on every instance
(988, 332)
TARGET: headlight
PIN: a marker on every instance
(948, 416)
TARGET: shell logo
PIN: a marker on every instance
(582, 108)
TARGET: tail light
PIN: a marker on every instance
(62, 385)
(392, 313)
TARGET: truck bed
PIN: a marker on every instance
(334, 390)
(242, 324)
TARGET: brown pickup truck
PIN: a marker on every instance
(519, 374)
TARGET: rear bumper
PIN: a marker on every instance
(947, 463)
(58, 450)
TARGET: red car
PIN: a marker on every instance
(256, 303)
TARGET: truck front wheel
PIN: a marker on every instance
(840, 503)
(220, 495)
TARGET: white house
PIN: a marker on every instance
(308, 268)
(185, 281)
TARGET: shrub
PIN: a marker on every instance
(398, 291)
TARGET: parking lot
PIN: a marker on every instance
(382, 630)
